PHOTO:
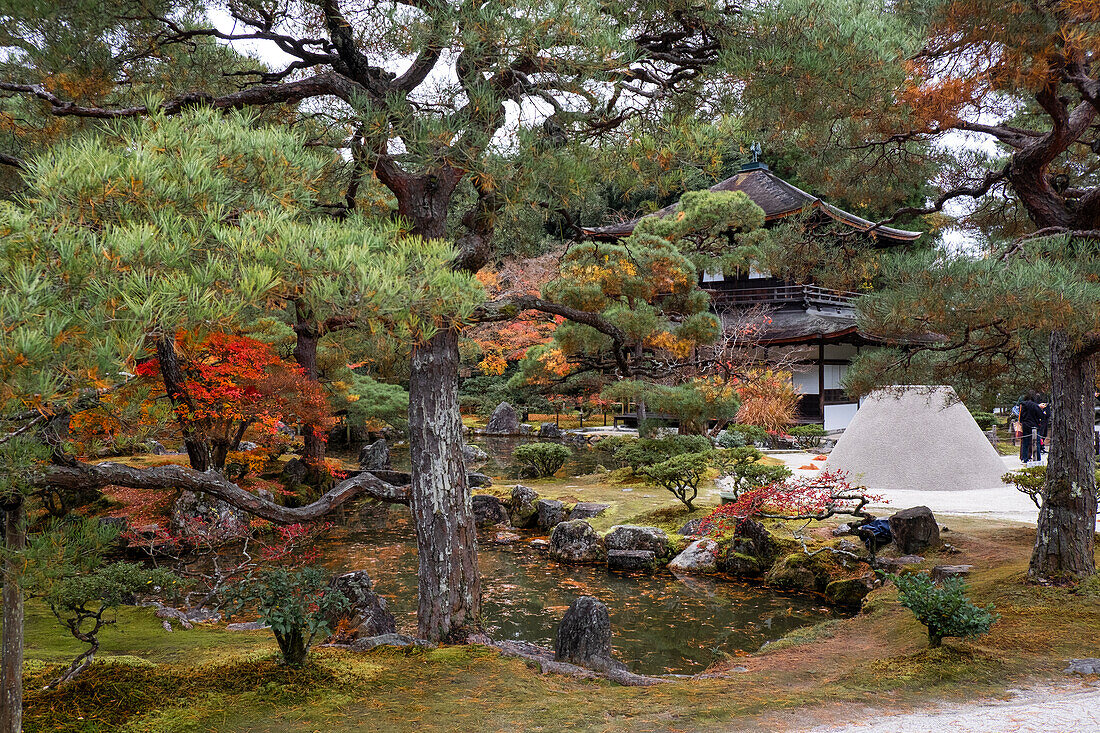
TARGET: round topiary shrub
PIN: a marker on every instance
(542, 459)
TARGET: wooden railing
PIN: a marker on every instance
(779, 295)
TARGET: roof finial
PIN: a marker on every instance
(756, 151)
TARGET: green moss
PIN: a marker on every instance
(929, 669)
(804, 635)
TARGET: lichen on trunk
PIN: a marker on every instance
(446, 536)
(1065, 538)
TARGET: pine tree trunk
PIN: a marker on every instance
(305, 354)
(446, 538)
(11, 669)
(1065, 538)
(199, 452)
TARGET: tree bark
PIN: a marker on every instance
(305, 354)
(1065, 540)
(11, 669)
(446, 537)
(199, 451)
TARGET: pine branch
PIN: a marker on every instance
(212, 483)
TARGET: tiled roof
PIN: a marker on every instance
(772, 194)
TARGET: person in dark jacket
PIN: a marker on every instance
(1031, 419)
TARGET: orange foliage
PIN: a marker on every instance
(768, 400)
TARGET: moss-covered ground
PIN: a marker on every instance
(211, 679)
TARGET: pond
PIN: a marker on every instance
(660, 623)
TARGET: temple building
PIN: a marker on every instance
(810, 329)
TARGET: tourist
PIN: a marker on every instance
(1031, 417)
(1044, 428)
(1014, 421)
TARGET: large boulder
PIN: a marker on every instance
(375, 456)
(551, 513)
(915, 530)
(366, 614)
(523, 506)
(587, 510)
(198, 513)
(489, 511)
(550, 431)
(584, 636)
(632, 560)
(503, 421)
(576, 542)
(850, 592)
(479, 480)
(633, 537)
(701, 556)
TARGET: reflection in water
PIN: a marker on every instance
(660, 623)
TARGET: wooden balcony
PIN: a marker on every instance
(743, 294)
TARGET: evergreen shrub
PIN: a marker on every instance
(943, 607)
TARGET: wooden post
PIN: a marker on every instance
(821, 377)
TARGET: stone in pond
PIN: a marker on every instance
(576, 542)
(375, 456)
(633, 537)
(551, 513)
(584, 636)
(367, 614)
(523, 507)
(701, 556)
(506, 538)
(631, 560)
(550, 431)
(479, 480)
(540, 544)
(504, 421)
(488, 510)
(587, 510)
(915, 530)
(472, 454)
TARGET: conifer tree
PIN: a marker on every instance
(1025, 80)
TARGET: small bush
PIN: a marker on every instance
(943, 608)
(807, 436)
(680, 475)
(294, 603)
(985, 420)
(1031, 481)
(649, 451)
(749, 434)
(544, 459)
(742, 466)
(731, 439)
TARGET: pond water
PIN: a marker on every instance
(660, 623)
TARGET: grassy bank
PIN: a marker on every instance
(212, 679)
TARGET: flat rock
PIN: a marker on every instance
(1083, 666)
(587, 510)
(631, 560)
(909, 560)
(394, 639)
(701, 556)
(942, 572)
(540, 544)
(506, 538)
(634, 537)
(247, 626)
(478, 480)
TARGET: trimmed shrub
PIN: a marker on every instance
(943, 608)
(649, 451)
(807, 436)
(742, 466)
(985, 420)
(543, 459)
(680, 475)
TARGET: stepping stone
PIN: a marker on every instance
(942, 572)
(1083, 666)
(587, 510)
